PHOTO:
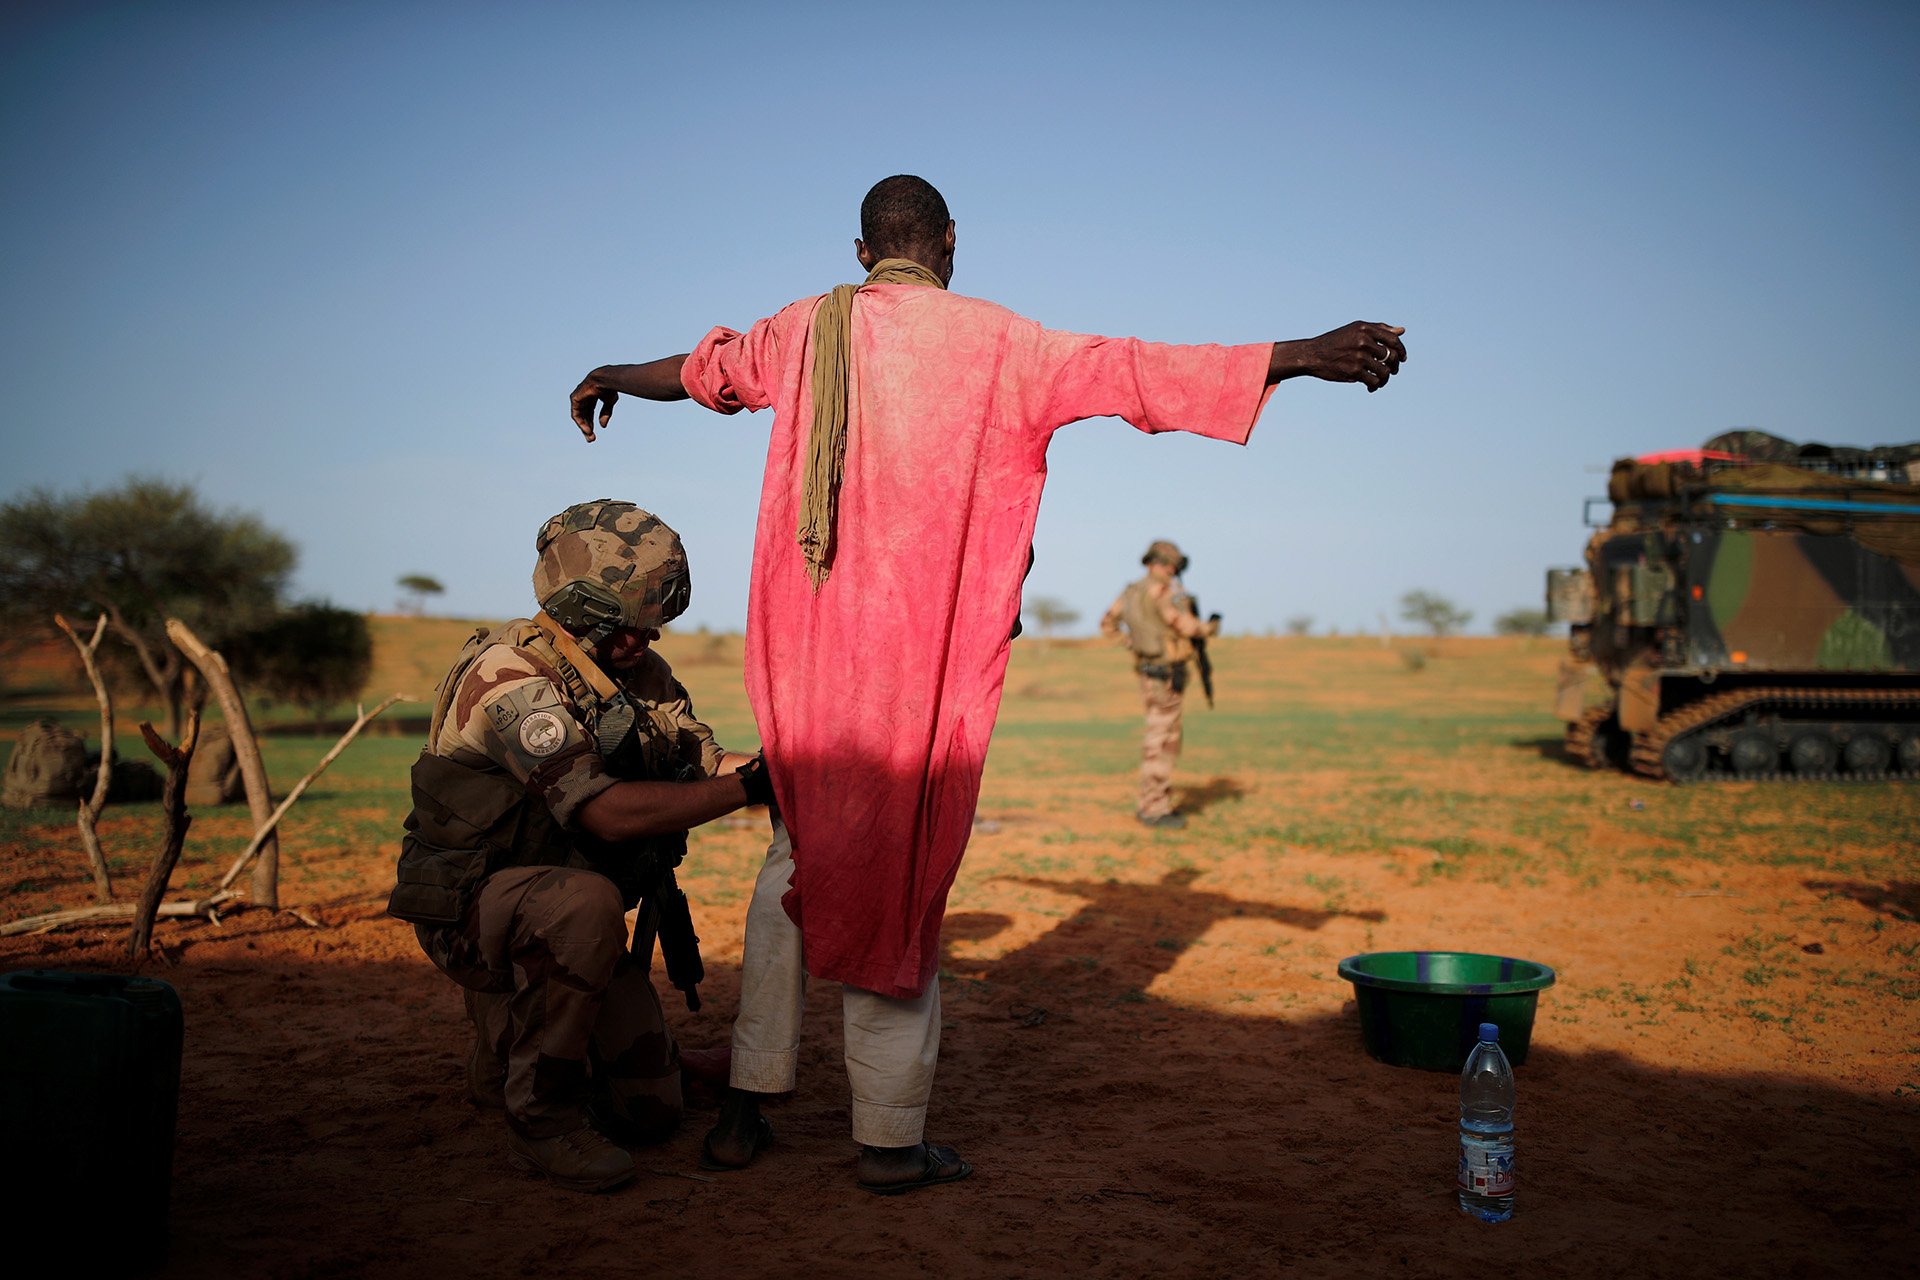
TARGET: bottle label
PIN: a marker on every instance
(1486, 1170)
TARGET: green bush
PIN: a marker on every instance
(312, 655)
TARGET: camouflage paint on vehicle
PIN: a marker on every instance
(1750, 618)
(1781, 601)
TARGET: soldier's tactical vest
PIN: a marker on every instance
(469, 821)
(1151, 640)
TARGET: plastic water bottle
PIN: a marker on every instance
(1486, 1130)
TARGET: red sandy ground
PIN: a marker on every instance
(323, 1127)
(1155, 1073)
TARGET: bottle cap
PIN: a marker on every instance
(1489, 1031)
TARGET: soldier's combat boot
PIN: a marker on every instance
(580, 1161)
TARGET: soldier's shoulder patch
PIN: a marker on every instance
(542, 694)
(542, 733)
(502, 713)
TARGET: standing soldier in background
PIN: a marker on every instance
(562, 771)
(1154, 618)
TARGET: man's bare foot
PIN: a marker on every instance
(889, 1171)
(740, 1134)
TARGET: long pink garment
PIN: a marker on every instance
(876, 697)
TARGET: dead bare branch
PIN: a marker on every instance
(90, 808)
(213, 669)
(267, 828)
(179, 909)
(173, 805)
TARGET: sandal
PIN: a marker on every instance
(762, 1139)
(943, 1164)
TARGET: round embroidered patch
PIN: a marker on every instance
(542, 733)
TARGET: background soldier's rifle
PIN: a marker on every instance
(1201, 662)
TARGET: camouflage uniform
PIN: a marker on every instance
(540, 942)
(542, 951)
(1154, 618)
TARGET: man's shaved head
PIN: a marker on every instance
(902, 216)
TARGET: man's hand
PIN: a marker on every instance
(1359, 352)
(594, 397)
(589, 400)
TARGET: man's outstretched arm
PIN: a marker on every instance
(1358, 352)
(594, 397)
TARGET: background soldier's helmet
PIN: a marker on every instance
(606, 564)
(1164, 552)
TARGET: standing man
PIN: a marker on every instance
(902, 479)
(562, 770)
(1155, 618)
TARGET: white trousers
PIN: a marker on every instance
(892, 1045)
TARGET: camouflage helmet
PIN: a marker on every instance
(1164, 552)
(606, 564)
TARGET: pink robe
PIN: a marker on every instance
(876, 697)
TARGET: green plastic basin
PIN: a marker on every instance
(1424, 1008)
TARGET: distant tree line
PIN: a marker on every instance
(1522, 622)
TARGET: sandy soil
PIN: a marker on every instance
(1150, 1061)
(323, 1128)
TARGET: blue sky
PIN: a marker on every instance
(339, 265)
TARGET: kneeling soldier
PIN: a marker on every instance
(562, 771)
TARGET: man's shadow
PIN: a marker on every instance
(1170, 911)
(1899, 899)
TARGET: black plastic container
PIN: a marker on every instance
(89, 1084)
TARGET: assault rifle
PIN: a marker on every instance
(1201, 662)
(644, 869)
(665, 914)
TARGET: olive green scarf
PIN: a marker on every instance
(827, 441)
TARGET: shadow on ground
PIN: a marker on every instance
(1899, 899)
(1198, 797)
(323, 1129)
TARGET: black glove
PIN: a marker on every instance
(758, 782)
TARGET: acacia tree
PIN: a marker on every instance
(1436, 613)
(1049, 612)
(418, 586)
(312, 655)
(138, 554)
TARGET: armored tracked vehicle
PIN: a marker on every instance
(1753, 608)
